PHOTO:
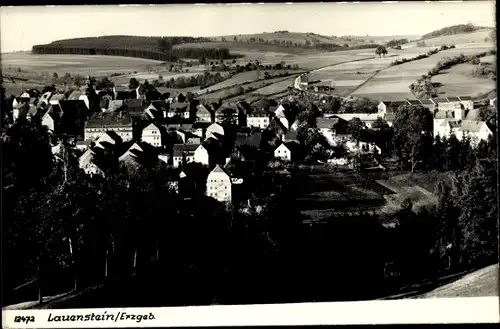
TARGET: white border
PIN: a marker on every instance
(417, 311)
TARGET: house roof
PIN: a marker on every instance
(115, 105)
(389, 117)
(252, 140)
(472, 126)
(179, 107)
(203, 109)
(133, 103)
(33, 110)
(276, 126)
(75, 95)
(122, 95)
(361, 116)
(152, 126)
(219, 169)
(471, 115)
(442, 100)
(120, 89)
(109, 138)
(442, 114)
(453, 99)
(465, 98)
(180, 149)
(426, 102)
(291, 135)
(159, 105)
(201, 125)
(326, 123)
(58, 97)
(413, 102)
(102, 120)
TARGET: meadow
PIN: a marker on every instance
(455, 39)
(458, 80)
(393, 82)
(74, 64)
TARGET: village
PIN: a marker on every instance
(141, 127)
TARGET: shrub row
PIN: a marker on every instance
(421, 56)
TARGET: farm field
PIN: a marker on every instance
(393, 83)
(465, 38)
(254, 85)
(458, 80)
(488, 59)
(81, 64)
(275, 88)
(327, 193)
(167, 75)
(245, 77)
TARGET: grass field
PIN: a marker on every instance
(458, 80)
(96, 65)
(275, 88)
(465, 38)
(393, 83)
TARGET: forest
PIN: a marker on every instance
(450, 30)
(130, 46)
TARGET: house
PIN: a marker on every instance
(367, 118)
(109, 139)
(152, 135)
(82, 145)
(493, 102)
(88, 163)
(290, 136)
(389, 107)
(219, 185)
(281, 114)
(276, 126)
(187, 137)
(99, 123)
(75, 95)
(201, 155)
(181, 109)
(164, 157)
(204, 113)
(213, 130)
(199, 128)
(142, 89)
(450, 103)
(227, 112)
(134, 107)
(45, 98)
(133, 156)
(56, 98)
(115, 105)
(183, 153)
(283, 152)
(475, 130)
(176, 97)
(258, 118)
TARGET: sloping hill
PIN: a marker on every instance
(453, 29)
(477, 37)
(481, 283)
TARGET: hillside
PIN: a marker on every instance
(476, 37)
(483, 282)
(452, 30)
(285, 37)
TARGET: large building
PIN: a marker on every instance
(99, 123)
(219, 185)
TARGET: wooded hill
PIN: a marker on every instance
(156, 48)
(454, 29)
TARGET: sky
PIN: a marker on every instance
(24, 26)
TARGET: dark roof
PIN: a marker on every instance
(252, 140)
(160, 105)
(102, 120)
(414, 102)
(201, 125)
(441, 100)
(326, 123)
(74, 107)
(122, 95)
(178, 107)
(245, 107)
(133, 103)
(426, 102)
(291, 135)
(276, 126)
(453, 99)
(120, 89)
(180, 149)
(465, 98)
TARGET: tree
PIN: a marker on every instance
(412, 134)
(104, 83)
(355, 127)
(55, 75)
(381, 51)
(133, 83)
(380, 123)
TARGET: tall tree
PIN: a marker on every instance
(356, 126)
(412, 132)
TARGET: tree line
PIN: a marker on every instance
(450, 30)
(169, 56)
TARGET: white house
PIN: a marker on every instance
(283, 152)
(183, 153)
(280, 114)
(476, 130)
(48, 121)
(88, 165)
(201, 155)
(361, 146)
(258, 119)
(214, 128)
(219, 185)
(152, 135)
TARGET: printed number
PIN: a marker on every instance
(24, 319)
